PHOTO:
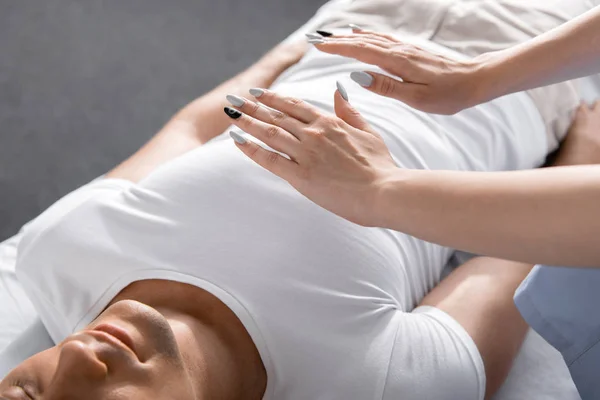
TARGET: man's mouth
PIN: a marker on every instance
(117, 334)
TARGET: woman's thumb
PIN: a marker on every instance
(346, 112)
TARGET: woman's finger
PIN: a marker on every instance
(271, 161)
(350, 40)
(392, 59)
(396, 58)
(346, 112)
(389, 87)
(268, 115)
(365, 52)
(376, 41)
(273, 136)
(377, 34)
(291, 106)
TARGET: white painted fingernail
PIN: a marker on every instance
(362, 78)
(313, 36)
(342, 90)
(235, 100)
(355, 27)
(316, 41)
(256, 92)
(237, 137)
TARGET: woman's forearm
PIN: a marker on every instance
(567, 52)
(549, 216)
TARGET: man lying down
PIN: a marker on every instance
(189, 272)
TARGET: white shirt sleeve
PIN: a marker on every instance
(68, 203)
(433, 359)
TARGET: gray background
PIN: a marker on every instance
(83, 83)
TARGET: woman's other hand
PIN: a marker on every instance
(428, 82)
(337, 161)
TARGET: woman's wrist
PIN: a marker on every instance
(387, 198)
(491, 80)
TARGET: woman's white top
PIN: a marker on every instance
(329, 304)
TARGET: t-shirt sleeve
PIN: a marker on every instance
(433, 358)
(34, 255)
(66, 204)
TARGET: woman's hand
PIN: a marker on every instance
(428, 82)
(337, 161)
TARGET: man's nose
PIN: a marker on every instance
(78, 360)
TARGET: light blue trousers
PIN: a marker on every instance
(563, 306)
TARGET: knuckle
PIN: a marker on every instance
(254, 107)
(310, 130)
(386, 87)
(339, 134)
(410, 52)
(272, 158)
(278, 117)
(337, 127)
(380, 36)
(272, 132)
(252, 151)
(396, 52)
(405, 52)
(246, 122)
(326, 121)
(293, 102)
(316, 133)
(354, 112)
(446, 66)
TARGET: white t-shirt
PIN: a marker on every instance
(327, 303)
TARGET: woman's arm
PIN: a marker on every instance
(570, 51)
(548, 216)
(202, 119)
(438, 84)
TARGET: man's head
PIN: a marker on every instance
(129, 352)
